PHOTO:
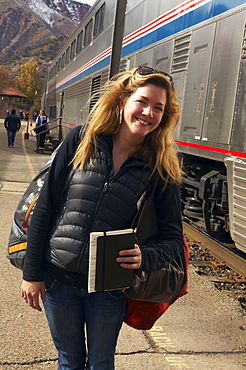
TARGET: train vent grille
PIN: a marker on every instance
(123, 65)
(80, 89)
(181, 53)
(104, 76)
(244, 44)
(236, 174)
(95, 88)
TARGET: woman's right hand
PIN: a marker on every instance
(31, 291)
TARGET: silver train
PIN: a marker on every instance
(202, 43)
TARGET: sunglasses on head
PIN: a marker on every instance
(144, 71)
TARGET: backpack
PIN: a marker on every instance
(19, 231)
(18, 235)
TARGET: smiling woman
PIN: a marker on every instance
(113, 159)
(142, 112)
(161, 113)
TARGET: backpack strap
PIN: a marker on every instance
(149, 192)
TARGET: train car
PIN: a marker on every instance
(202, 43)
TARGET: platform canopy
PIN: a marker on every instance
(12, 91)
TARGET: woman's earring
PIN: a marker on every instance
(120, 116)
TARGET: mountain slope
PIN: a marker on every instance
(48, 11)
(36, 28)
(73, 10)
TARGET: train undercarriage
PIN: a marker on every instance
(204, 195)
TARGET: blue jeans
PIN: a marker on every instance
(11, 137)
(69, 310)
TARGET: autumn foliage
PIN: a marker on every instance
(29, 82)
(5, 78)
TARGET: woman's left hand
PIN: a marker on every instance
(130, 258)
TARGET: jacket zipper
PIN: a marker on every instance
(104, 189)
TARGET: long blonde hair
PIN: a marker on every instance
(42, 112)
(158, 145)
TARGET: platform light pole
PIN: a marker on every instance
(119, 23)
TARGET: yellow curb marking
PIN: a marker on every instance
(163, 341)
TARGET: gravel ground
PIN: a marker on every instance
(221, 273)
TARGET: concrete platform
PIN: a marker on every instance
(203, 330)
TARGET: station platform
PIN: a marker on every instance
(204, 330)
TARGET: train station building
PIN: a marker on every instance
(12, 98)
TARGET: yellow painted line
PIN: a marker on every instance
(163, 341)
(27, 156)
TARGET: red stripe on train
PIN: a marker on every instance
(211, 149)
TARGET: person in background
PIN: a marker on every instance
(34, 116)
(7, 112)
(41, 129)
(27, 116)
(12, 124)
(110, 163)
(21, 115)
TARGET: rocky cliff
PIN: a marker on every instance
(36, 28)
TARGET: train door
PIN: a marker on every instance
(197, 81)
(222, 88)
(238, 140)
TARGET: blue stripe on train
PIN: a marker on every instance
(190, 19)
(103, 63)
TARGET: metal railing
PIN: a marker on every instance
(57, 138)
(59, 126)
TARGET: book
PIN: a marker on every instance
(105, 273)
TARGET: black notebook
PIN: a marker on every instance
(105, 273)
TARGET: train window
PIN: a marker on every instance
(79, 42)
(88, 31)
(67, 55)
(72, 52)
(99, 18)
(59, 64)
(63, 61)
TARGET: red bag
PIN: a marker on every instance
(143, 315)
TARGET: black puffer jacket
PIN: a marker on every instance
(97, 200)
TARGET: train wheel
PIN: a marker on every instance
(214, 226)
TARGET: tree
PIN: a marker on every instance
(30, 82)
(5, 78)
